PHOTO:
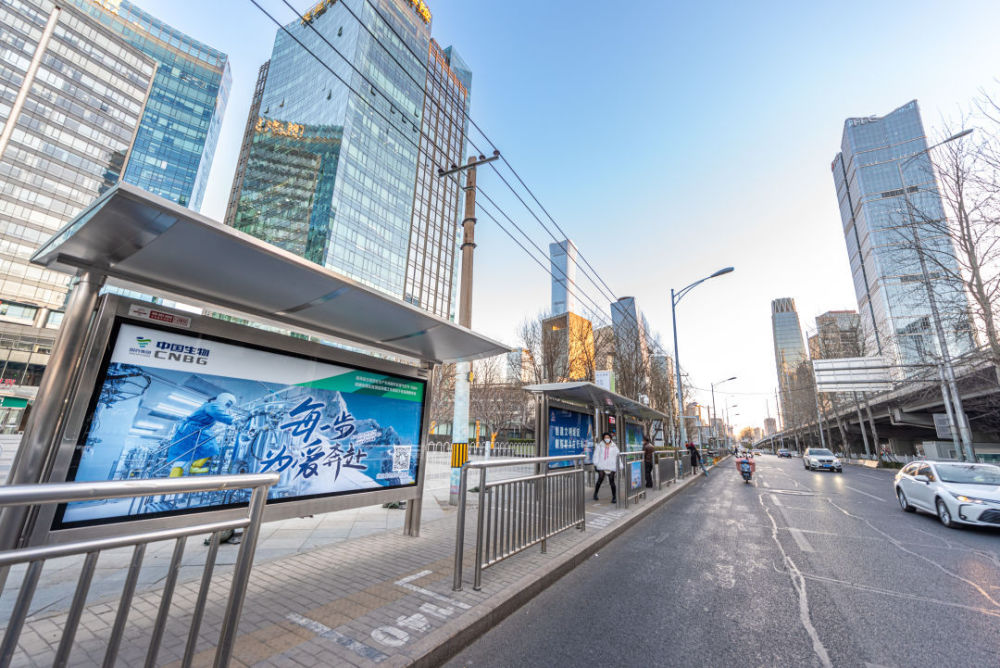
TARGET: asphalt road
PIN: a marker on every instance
(800, 569)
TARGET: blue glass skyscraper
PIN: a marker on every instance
(345, 174)
(173, 150)
(879, 228)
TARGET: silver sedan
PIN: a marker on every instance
(958, 493)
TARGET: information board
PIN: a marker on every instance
(635, 475)
(570, 433)
(171, 404)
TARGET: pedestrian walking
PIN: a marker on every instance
(647, 459)
(606, 464)
(696, 459)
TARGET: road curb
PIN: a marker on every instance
(460, 638)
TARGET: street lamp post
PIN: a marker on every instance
(954, 407)
(715, 415)
(675, 298)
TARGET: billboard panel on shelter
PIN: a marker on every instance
(570, 433)
(170, 404)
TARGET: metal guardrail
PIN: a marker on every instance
(516, 513)
(665, 467)
(35, 557)
(627, 493)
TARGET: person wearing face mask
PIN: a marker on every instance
(606, 464)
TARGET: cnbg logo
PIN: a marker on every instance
(143, 342)
(178, 352)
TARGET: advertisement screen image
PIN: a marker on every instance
(570, 433)
(633, 436)
(172, 405)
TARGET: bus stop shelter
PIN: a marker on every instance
(607, 409)
(136, 241)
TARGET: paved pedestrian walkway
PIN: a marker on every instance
(377, 599)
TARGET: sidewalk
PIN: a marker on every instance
(381, 599)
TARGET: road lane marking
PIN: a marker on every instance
(900, 547)
(855, 489)
(799, 584)
(900, 594)
(776, 500)
(765, 484)
(801, 541)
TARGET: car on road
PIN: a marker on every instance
(816, 459)
(758, 453)
(957, 492)
(784, 453)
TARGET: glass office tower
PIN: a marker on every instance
(71, 97)
(883, 250)
(365, 201)
(431, 279)
(789, 355)
(174, 148)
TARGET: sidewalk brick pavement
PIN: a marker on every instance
(380, 600)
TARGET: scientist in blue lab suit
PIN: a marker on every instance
(194, 444)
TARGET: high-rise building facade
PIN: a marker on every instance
(72, 94)
(370, 204)
(179, 130)
(562, 257)
(631, 345)
(882, 216)
(568, 348)
(789, 355)
(838, 335)
(431, 279)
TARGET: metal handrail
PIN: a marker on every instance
(35, 556)
(527, 533)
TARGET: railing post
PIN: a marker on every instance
(456, 584)
(241, 575)
(544, 514)
(479, 527)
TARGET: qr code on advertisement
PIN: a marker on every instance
(401, 457)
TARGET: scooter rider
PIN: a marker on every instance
(746, 458)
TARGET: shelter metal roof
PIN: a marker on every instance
(597, 397)
(146, 243)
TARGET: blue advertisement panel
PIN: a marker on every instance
(169, 404)
(633, 436)
(635, 475)
(570, 433)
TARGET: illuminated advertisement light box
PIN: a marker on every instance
(633, 436)
(169, 404)
(635, 475)
(570, 433)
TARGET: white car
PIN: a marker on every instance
(821, 458)
(958, 493)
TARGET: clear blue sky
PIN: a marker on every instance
(669, 139)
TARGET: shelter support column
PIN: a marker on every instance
(40, 441)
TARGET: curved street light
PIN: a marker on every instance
(675, 297)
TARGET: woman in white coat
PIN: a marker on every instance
(606, 464)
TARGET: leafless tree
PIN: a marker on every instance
(497, 403)
(441, 394)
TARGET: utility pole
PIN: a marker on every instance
(463, 370)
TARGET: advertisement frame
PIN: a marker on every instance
(588, 448)
(113, 311)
